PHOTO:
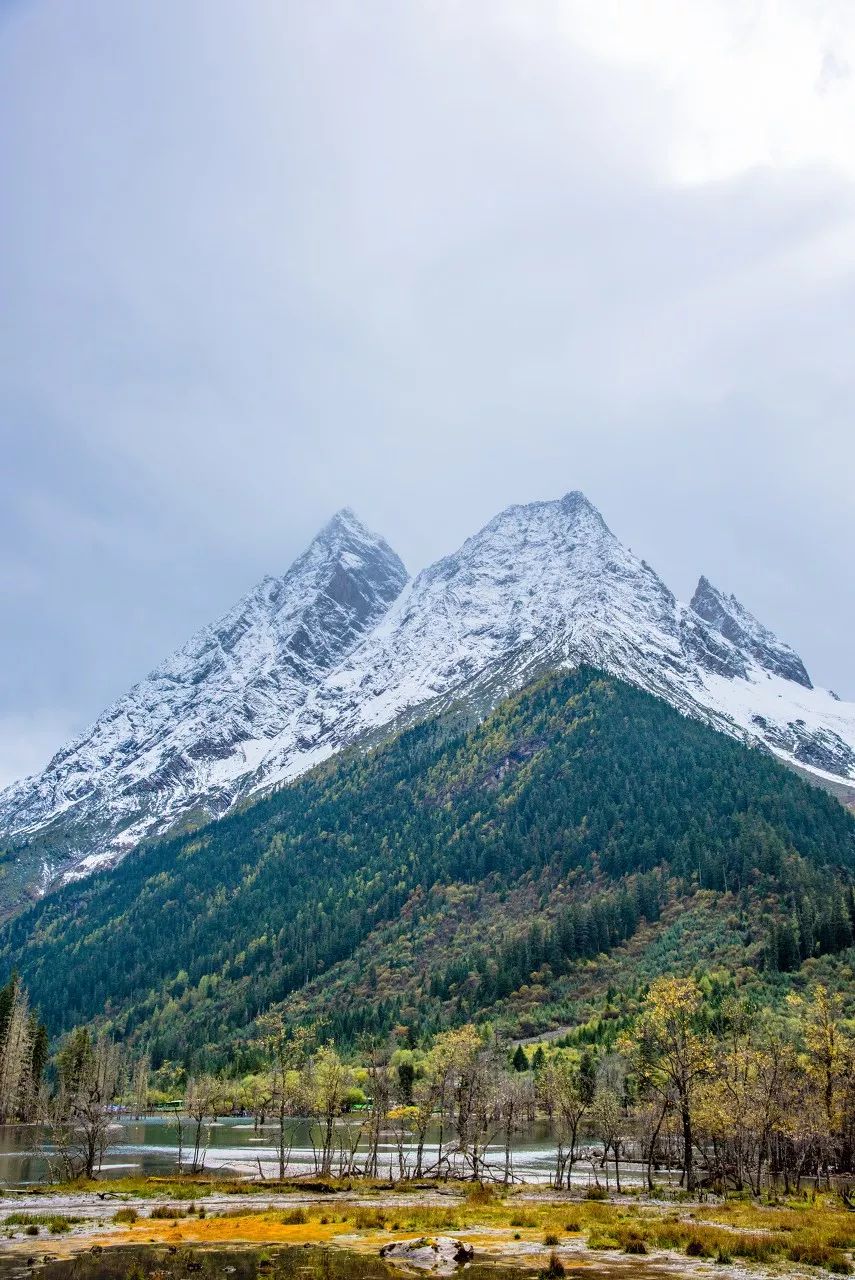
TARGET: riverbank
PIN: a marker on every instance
(525, 1227)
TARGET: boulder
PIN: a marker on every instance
(439, 1254)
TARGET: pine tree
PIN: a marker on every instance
(520, 1060)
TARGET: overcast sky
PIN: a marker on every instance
(425, 258)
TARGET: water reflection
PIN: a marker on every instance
(234, 1145)
(228, 1264)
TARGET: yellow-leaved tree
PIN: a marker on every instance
(671, 1052)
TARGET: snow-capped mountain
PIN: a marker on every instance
(343, 649)
(546, 585)
(181, 741)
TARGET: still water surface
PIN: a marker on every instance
(234, 1145)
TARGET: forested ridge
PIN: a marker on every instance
(434, 878)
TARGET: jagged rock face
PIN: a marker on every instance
(746, 634)
(344, 649)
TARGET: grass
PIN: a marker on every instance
(810, 1231)
(294, 1217)
(56, 1223)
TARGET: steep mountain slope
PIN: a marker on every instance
(446, 875)
(344, 650)
(737, 625)
(183, 739)
(548, 585)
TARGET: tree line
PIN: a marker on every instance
(700, 1083)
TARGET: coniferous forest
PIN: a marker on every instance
(533, 872)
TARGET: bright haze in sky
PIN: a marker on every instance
(426, 259)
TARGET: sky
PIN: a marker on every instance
(259, 261)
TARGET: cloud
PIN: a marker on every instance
(763, 84)
(426, 260)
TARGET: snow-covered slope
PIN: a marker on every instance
(184, 739)
(343, 649)
(546, 585)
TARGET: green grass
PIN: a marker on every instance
(56, 1223)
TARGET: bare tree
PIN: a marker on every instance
(203, 1098)
(140, 1086)
(567, 1093)
(16, 1057)
(80, 1116)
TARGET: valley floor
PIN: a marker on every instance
(527, 1229)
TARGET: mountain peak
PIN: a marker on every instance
(553, 517)
(732, 620)
(576, 500)
(342, 648)
(345, 526)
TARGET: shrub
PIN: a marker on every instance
(57, 1225)
(126, 1215)
(555, 1267)
(572, 1225)
(31, 1230)
(523, 1220)
(551, 1239)
(168, 1211)
(596, 1193)
(294, 1217)
(631, 1241)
